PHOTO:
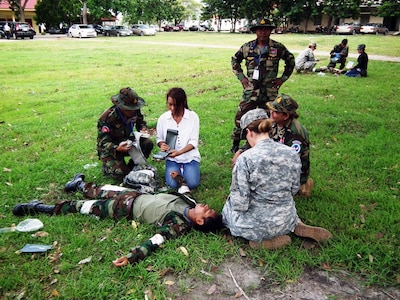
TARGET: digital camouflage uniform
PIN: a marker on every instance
(112, 129)
(260, 205)
(165, 210)
(267, 62)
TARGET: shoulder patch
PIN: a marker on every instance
(296, 146)
(105, 129)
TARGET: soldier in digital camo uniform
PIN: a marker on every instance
(175, 214)
(260, 207)
(289, 131)
(261, 82)
(115, 127)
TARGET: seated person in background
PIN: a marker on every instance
(185, 158)
(175, 213)
(360, 69)
(286, 129)
(260, 207)
(306, 60)
(115, 127)
(338, 55)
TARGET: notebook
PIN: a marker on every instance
(172, 135)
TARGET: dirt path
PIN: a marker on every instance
(236, 279)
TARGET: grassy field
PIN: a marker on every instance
(53, 91)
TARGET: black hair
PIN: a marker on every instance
(180, 99)
(210, 224)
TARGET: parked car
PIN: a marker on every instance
(172, 27)
(156, 28)
(374, 28)
(21, 30)
(140, 29)
(194, 28)
(58, 30)
(2, 34)
(118, 30)
(81, 31)
(99, 29)
(206, 27)
(348, 28)
(244, 29)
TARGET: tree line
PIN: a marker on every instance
(54, 12)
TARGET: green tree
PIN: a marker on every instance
(339, 9)
(18, 7)
(389, 8)
(297, 11)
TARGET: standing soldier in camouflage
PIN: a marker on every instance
(289, 131)
(261, 82)
(116, 128)
(260, 206)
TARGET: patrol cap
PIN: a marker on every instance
(251, 116)
(283, 103)
(128, 99)
(361, 47)
(262, 23)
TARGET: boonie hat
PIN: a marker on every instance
(262, 23)
(251, 116)
(283, 103)
(128, 99)
(361, 47)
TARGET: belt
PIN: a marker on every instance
(129, 214)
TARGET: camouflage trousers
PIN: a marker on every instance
(109, 204)
(252, 99)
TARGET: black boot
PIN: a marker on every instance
(77, 183)
(32, 208)
(235, 146)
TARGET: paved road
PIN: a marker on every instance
(317, 53)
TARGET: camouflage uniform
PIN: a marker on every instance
(295, 135)
(292, 133)
(260, 205)
(168, 211)
(339, 54)
(112, 129)
(267, 62)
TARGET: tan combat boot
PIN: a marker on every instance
(272, 244)
(318, 234)
(306, 188)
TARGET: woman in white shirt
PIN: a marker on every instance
(185, 158)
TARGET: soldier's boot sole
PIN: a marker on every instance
(272, 244)
(318, 234)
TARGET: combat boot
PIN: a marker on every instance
(76, 184)
(306, 188)
(32, 208)
(272, 244)
(318, 234)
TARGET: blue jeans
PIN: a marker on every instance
(190, 171)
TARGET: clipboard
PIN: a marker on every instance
(170, 140)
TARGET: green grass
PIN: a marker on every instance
(53, 91)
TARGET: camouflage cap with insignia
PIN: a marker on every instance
(262, 23)
(283, 103)
(128, 99)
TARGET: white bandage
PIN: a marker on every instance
(85, 209)
(184, 189)
(157, 239)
